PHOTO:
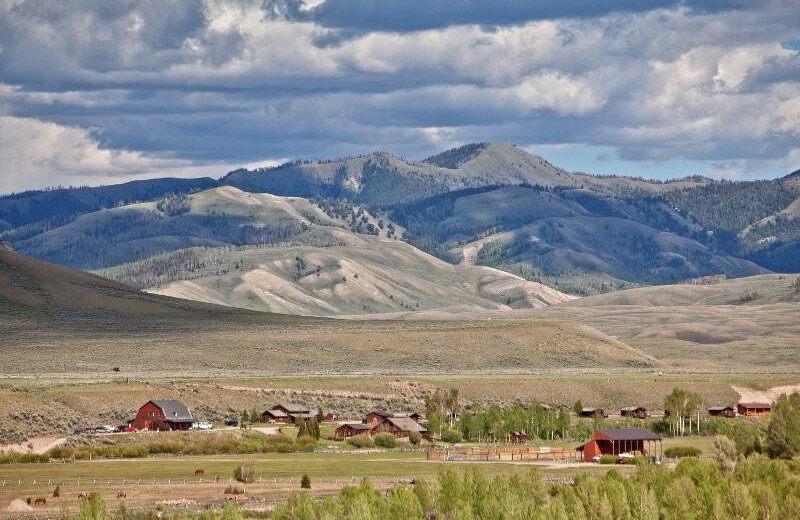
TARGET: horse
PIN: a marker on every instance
(122, 495)
(199, 472)
(40, 501)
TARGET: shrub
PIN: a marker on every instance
(306, 443)
(234, 490)
(451, 436)
(385, 440)
(682, 451)
(305, 482)
(245, 472)
(608, 459)
(360, 441)
(415, 438)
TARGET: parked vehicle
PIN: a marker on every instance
(130, 429)
(202, 425)
(625, 458)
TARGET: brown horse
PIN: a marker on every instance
(199, 472)
(40, 501)
(122, 495)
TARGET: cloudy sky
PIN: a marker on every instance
(98, 92)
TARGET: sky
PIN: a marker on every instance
(103, 92)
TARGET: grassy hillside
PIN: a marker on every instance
(222, 216)
(59, 321)
(368, 275)
(575, 240)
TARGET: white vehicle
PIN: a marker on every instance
(202, 425)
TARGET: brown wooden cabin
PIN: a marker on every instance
(754, 409)
(621, 440)
(292, 413)
(518, 437)
(722, 411)
(346, 431)
(376, 417)
(163, 415)
(400, 427)
(275, 416)
(637, 412)
(589, 412)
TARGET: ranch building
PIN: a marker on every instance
(621, 440)
(754, 409)
(346, 431)
(160, 415)
(590, 412)
(400, 427)
(292, 413)
(637, 412)
(376, 417)
(722, 411)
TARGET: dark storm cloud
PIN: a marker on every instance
(133, 85)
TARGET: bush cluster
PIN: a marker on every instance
(682, 451)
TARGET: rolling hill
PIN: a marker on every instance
(66, 323)
(368, 277)
(734, 325)
(322, 268)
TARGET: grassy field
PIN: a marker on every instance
(150, 482)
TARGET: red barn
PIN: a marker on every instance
(166, 414)
(621, 440)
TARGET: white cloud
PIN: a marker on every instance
(34, 154)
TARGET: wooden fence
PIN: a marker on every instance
(501, 453)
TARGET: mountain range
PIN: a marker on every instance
(486, 225)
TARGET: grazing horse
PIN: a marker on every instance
(199, 471)
(40, 501)
(122, 495)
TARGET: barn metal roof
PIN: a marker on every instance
(294, 407)
(174, 410)
(629, 434)
(756, 405)
(407, 424)
(356, 426)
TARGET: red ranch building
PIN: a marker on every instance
(165, 414)
(621, 440)
(753, 409)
